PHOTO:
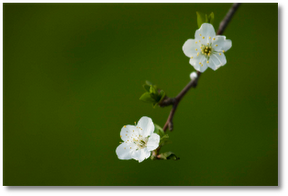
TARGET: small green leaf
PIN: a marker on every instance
(201, 18)
(172, 156)
(146, 97)
(146, 87)
(148, 83)
(155, 97)
(153, 94)
(168, 156)
(211, 18)
(154, 105)
(153, 157)
(153, 89)
(159, 96)
(164, 137)
(164, 140)
(158, 130)
(162, 94)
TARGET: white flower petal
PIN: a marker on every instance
(216, 62)
(206, 30)
(227, 45)
(146, 126)
(125, 150)
(141, 154)
(129, 132)
(210, 63)
(221, 57)
(197, 67)
(204, 66)
(189, 48)
(195, 62)
(153, 142)
(221, 43)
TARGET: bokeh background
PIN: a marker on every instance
(73, 75)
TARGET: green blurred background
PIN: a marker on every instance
(73, 75)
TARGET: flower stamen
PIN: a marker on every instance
(206, 50)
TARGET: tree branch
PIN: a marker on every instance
(193, 83)
(227, 18)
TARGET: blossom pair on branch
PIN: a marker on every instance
(205, 50)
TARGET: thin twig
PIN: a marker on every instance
(227, 18)
(193, 83)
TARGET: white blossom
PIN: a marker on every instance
(207, 49)
(138, 140)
